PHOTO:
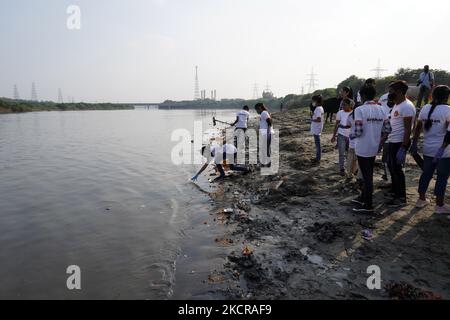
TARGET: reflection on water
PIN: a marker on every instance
(97, 190)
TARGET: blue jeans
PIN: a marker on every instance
(443, 172)
(342, 143)
(318, 147)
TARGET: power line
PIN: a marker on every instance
(197, 85)
(34, 96)
(378, 70)
(256, 91)
(60, 96)
(16, 93)
(313, 82)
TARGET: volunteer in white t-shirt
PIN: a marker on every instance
(241, 124)
(242, 117)
(402, 119)
(434, 119)
(216, 155)
(425, 84)
(317, 123)
(342, 132)
(387, 105)
(371, 123)
(265, 132)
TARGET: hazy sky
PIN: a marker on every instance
(146, 50)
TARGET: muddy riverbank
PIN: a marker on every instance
(293, 235)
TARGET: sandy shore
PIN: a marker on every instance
(294, 236)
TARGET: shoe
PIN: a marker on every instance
(420, 204)
(363, 209)
(445, 209)
(359, 201)
(396, 203)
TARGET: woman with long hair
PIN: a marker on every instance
(434, 120)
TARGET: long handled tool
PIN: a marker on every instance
(215, 121)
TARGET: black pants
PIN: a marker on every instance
(396, 170)
(233, 164)
(366, 166)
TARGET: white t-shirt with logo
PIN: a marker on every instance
(317, 127)
(242, 116)
(403, 110)
(263, 125)
(342, 116)
(434, 138)
(372, 118)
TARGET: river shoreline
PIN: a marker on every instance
(293, 235)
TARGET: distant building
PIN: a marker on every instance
(267, 94)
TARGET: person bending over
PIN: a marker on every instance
(216, 155)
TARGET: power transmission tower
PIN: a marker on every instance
(378, 70)
(313, 82)
(60, 96)
(16, 93)
(197, 85)
(256, 91)
(303, 89)
(34, 96)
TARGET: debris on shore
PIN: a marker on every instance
(294, 236)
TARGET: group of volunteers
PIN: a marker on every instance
(390, 126)
(227, 152)
(365, 127)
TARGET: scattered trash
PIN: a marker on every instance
(315, 259)
(244, 206)
(405, 291)
(367, 234)
(228, 210)
(304, 251)
(247, 251)
(325, 232)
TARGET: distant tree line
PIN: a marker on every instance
(290, 101)
(17, 106)
(409, 75)
(272, 103)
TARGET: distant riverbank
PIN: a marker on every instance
(20, 106)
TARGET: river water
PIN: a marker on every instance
(95, 189)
